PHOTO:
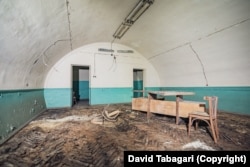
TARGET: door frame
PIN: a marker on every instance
(81, 66)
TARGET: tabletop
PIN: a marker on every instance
(171, 93)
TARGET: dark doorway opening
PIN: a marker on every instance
(80, 85)
(138, 83)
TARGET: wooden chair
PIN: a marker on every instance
(110, 116)
(210, 117)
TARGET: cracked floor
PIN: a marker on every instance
(71, 137)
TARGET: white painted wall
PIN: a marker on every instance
(104, 70)
(223, 56)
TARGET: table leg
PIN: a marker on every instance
(150, 96)
(178, 99)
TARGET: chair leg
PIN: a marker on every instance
(196, 124)
(216, 129)
(189, 125)
(212, 126)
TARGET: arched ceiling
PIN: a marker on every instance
(35, 34)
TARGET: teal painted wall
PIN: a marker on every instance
(231, 99)
(111, 95)
(58, 97)
(61, 97)
(17, 107)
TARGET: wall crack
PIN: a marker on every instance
(187, 43)
(201, 38)
(203, 69)
(228, 27)
(70, 35)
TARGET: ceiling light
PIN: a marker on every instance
(138, 10)
(123, 28)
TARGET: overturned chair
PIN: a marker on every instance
(110, 116)
(210, 117)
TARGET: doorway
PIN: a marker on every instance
(138, 83)
(80, 85)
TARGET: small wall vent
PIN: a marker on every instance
(105, 50)
(125, 51)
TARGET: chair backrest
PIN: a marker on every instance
(212, 105)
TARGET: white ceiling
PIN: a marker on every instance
(35, 34)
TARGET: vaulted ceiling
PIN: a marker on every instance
(35, 34)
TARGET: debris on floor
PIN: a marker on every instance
(198, 145)
(81, 137)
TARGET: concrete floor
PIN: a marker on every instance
(77, 137)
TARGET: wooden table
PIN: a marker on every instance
(179, 97)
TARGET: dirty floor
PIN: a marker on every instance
(78, 137)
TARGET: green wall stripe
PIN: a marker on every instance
(17, 107)
(58, 97)
(111, 95)
(231, 99)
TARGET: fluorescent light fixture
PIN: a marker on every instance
(138, 10)
(123, 28)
